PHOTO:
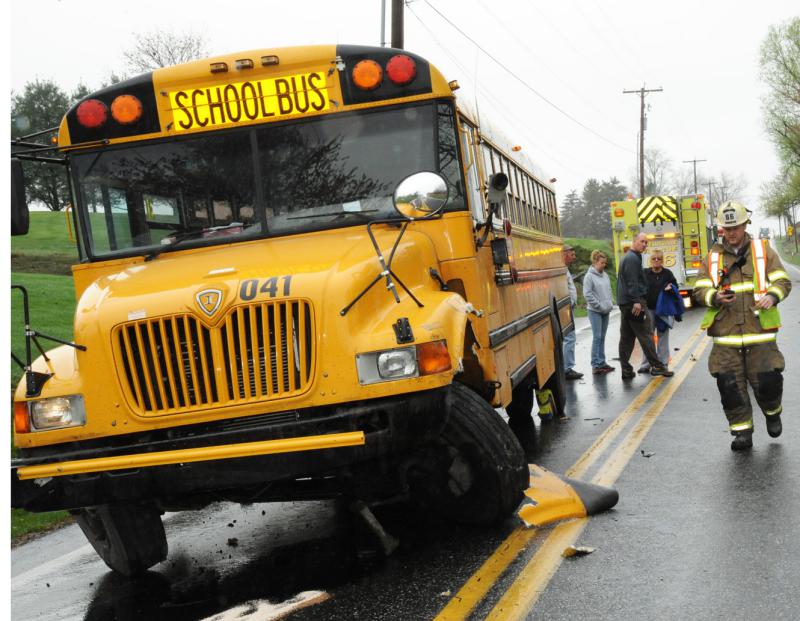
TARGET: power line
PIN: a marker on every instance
(524, 83)
(498, 106)
(541, 63)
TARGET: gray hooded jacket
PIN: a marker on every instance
(597, 291)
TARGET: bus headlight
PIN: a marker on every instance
(397, 363)
(57, 412)
(403, 362)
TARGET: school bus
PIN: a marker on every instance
(304, 273)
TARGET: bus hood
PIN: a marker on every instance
(329, 269)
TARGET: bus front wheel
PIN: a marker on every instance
(477, 471)
(129, 538)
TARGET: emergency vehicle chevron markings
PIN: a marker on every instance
(655, 208)
(520, 597)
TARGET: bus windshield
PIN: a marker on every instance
(275, 179)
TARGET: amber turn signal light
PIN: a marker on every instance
(433, 357)
(22, 422)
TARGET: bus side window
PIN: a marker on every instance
(470, 154)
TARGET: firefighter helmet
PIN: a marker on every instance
(732, 214)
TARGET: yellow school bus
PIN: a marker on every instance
(304, 273)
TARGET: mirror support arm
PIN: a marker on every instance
(386, 267)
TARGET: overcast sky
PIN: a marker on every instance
(577, 55)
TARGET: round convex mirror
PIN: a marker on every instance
(421, 195)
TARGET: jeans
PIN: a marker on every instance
(599, 323)
(569, 351)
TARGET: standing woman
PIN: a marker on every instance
(659, 278)
(597, 291)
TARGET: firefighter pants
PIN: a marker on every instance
(734, 367)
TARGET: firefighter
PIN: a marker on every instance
(742, 282)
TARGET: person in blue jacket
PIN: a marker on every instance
(660, 280)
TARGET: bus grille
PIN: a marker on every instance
(258, 352)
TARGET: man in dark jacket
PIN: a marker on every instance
(634, 324)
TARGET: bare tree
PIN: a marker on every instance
(163, 48)
(657, 173)
(727, 187)
(683, 183)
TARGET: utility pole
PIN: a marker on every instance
(642, 92)
(722, 189)
(694, 162)
(397, 24)
(383, 23)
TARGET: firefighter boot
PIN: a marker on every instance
(742, 440)
(774, 426)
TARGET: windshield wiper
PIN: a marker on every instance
(173, 241)
(337, 214)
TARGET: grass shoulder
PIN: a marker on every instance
(52, 308)
(787, 249)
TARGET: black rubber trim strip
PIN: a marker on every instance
(504, 333)
(522, 371)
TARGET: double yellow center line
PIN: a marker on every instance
(518, 599)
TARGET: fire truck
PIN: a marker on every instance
(680, 226)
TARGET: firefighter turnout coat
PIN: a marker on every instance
(745, 348)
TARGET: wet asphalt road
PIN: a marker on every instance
(699, 532)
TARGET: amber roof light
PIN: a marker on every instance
(126, 109)
(367, 75)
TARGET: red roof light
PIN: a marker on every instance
(401, 69)
(92, 113)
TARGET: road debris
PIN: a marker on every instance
(570, 551)
(647, 454)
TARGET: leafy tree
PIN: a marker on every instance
(780, 71)
(572, 210)
(163, 48)
(40, 107)
(589, 215)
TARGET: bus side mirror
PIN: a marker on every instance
(421, 195)
(497, 185)
(20, 216)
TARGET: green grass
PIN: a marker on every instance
(24, 523)
(583, 251)
(48, 235)
(787, 249)
(52, 307)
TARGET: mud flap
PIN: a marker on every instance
(552, 497)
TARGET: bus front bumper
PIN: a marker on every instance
(230, 459)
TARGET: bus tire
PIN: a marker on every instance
(478, 471)
(129, 538)
(557, 382)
